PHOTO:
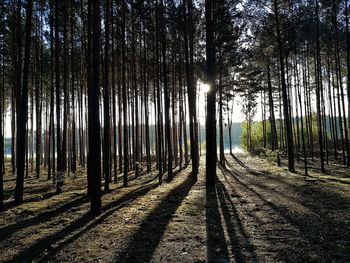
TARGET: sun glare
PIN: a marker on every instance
(204, 88)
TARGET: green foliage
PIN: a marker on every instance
(257, 137)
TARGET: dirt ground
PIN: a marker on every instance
(257, 213)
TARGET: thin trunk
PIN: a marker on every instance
(106, 128)
(221, 125)
(211, 95)
(319, 90)
(287, 120)
(23, 108)
(274, 140)
(188, 41)
(125, 106)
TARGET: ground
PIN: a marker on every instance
(258, 212)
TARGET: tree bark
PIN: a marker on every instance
(287, 120)
(106, 128)
(23, 108)
(94, 156)
(211, 95)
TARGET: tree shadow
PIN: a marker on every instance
(32, 189)
(38, 198)
(239, 161)
(318, 231)
(54, 243)
(144, 242)
(216, 242)
(242, 248)
(9, 230)
(176, 171)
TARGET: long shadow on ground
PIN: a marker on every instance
(52, 244)
(322, 238)
(10, 230)
(144, 242)
(216, 242)
(242, 248)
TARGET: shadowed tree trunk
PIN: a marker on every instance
(125, 105)
(59, 173)
(106, 111)
(94, 155)
(221, 123)
(286, 115)
(73, 66)
(52, 99)
(319, 90)
(348, 63)
(274, 140)
(166, 91)
(211, 95)
(188, 41)
(23, 108)
(2, 95)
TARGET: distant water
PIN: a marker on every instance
(236, 149)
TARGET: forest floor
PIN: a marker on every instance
(258, 212)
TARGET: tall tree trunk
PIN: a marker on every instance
(94, 156)
(188, 41)
(2, 95)
(38, 105)
(166, 91)
(146, 102)
(331, 109)
(106, 128)
(74, 151)
(319, 90)
(348, 61)
(136, 133)
(23, 108)
(159, 108)
(125, 106)
(16, 93)
(65, 96)
(221, 124)
(59, 173)
(274, 140)
(301, 119)
(287, 120)
(211, 95)
(52, 98)
(114, 107)
(346, 145)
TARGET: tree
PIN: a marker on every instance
(290, 144)
(319, 88)
(166, 91)
(125, 105)
(191, 90)
(106, 101)
(59, 175)
(1, 138)
(274, 140)
(94, 155)
(23, 107)
(211, 95)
